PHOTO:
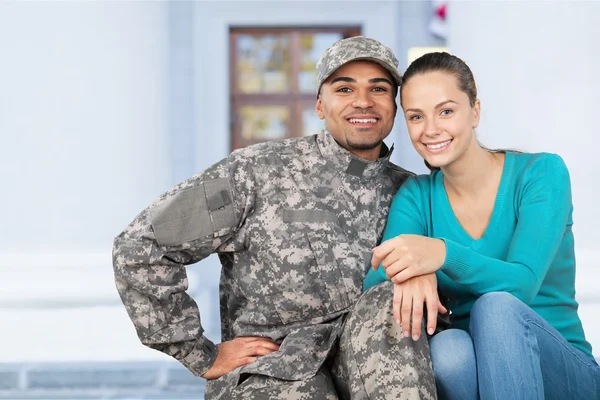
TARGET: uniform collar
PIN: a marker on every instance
(346, 162)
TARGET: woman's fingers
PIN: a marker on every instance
(381, 252)
(397, 303)
(441, 308)
(406, 309)
(433, 307)
(417, 312)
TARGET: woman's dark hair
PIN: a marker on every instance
(450, 64)
(444, 62)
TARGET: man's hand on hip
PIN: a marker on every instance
(238, 352)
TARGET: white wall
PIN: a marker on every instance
(85, 147)
(82, 121)
(84, 113)
(536, 65)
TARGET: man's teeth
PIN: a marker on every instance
(363, 120)
(439, 145)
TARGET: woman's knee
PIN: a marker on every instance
(496, 312)
(495, 303)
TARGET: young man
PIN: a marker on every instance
(294, 223)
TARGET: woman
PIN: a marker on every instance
(496, 229)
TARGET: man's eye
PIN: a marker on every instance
(380, 89)
(343, 89)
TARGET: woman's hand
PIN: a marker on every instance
(409, 297)
(407, 256)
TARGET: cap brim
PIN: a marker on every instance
(393, 71)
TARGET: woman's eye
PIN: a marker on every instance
(414, 117)
(446, 112)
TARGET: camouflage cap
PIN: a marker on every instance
(352, 49)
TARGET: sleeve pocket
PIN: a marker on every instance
(181, 218)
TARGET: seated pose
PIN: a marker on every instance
(291, 221)
(494, 229)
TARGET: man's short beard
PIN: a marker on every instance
(362, 146)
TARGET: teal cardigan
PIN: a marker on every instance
(526, 250)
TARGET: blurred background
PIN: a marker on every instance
(106, 104)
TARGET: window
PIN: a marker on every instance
(273, 81)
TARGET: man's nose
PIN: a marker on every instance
(363, 99)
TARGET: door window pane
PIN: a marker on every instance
(263, 122)
(312, 46)
(273, 81)
(263, 63)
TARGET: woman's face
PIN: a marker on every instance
(439, 117)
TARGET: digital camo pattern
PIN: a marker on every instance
(356, 48)
(375, 361)
(293, 222)
(260, 387)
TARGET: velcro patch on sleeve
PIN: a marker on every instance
(219, 200)
(220, 203)
(182, 218)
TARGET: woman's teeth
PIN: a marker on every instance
(438, 146)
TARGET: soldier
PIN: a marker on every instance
(293, 222)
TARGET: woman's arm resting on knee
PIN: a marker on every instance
(405, 216)
(409, 299)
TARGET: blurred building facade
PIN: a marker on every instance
(105, 105)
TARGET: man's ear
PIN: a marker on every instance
(319, 108)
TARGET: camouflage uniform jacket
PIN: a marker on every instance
(293, 222)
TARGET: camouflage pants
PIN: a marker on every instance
(373, 361)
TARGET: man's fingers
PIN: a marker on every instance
(249, 339)
(231, 355)
(253, 339)
(259, 348)
(268, 344)
(259, 351)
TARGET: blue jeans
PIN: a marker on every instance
(511, 353)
